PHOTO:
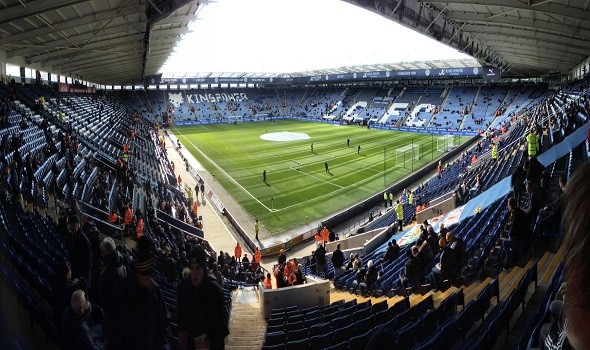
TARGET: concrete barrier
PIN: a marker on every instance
(316, 292)
(356, 241)
(437, 207)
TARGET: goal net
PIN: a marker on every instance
(407, 155)
(234, 118)
(446, 143)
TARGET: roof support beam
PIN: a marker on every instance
(474, 18)
(33, 8)
(92, 61)
(519, 34)
(106, 47)
(69, 24)
(117, 31)
(545, 7)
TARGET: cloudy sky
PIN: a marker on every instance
(283, 36)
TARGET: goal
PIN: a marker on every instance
(407, 155)
(446, 143)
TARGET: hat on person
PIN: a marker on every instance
(73, 218)
(145, 261)
(198, 256)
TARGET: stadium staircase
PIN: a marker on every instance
(247, 325)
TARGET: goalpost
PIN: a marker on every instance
(408, 153)
(446, 143)
(235, 118)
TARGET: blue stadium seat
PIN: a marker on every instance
(275, 338)
(359, 342)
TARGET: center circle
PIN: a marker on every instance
(284, 136)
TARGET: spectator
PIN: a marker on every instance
(411, 272)
(337, 260)
(320, 257)
(442, 230)
(370, 277)
(517, 181)
(80, 250)
(112, 279)
(425, 254)
(246, 261)
(62, 287)
(199, 306)
(145, 315)
(298, 275)
(391, 252)
(551, 214)
(282, 257)
(442, 270)
(517, 244)
(457, 244)
(535, 201)
(432, 239)
(350, 264)
(76, 331)
(534, 171)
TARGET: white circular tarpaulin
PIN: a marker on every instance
(284, 136)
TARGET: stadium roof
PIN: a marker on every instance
(114, 41)
(121, 41)
(523, 37)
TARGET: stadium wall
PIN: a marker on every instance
(316, 292)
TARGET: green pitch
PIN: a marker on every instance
(298, 188)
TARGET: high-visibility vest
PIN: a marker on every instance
(139, 229)
(325, 235)
(411, 198)
(532, 143)
(399, 210)
(238, 251)
(257, 256)
(128, 216)
(385, 196)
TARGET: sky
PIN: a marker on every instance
(285, 36)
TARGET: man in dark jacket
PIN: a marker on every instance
(337, 260)
(111, 280)
(442, 270)
(62, 287)
(199, 305)
(76, 331)
(412, 269)
(320, 258)
(391, 252)
(519, 233)
(370, 277)
(535, 201)
(80, 250)
(145, 315)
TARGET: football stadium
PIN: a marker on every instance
(326, 174)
